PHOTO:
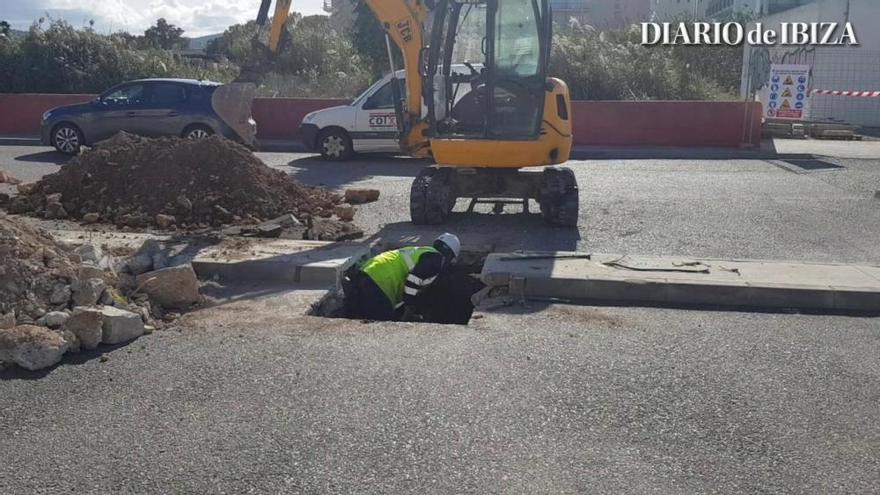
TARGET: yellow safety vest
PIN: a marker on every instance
(390, 269)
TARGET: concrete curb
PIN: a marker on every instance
(676, 281)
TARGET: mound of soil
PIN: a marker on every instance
(32, 266)
(136, 182)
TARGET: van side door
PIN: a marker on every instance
(376, 121)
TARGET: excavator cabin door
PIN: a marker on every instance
(504, 46)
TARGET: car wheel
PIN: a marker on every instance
(197, 132)
(335, 145)
(67, 139)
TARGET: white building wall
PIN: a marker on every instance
(844, 68)
(668, 9)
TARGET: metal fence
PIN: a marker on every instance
(833, 68)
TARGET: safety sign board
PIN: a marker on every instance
(787, 93)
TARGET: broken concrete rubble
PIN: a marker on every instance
(5, 178)
(345, 212)
(7, 320)
(88, 292)
(61, 295)
(176, 287)
(165, 221)
(87, 325)
(32, 347)
(53, 319)
(361, 196)
(120, 326)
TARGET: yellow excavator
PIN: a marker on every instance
(485, 125)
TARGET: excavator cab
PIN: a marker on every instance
(505, 46)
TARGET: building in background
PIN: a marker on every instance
(719, 8)
(674, 9)
(835, 68)
(601, 14)
(668, 9)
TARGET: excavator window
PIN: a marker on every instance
(503, 45)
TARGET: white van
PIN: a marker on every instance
(366, 125)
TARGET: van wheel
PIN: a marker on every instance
(335, 145)
(67, 139)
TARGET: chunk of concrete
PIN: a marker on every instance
(61, 294)
(361, 196)
(139, 263)
(165, 221)
(90, 252)
(7, 320)
(175, 287)
(345, 212)
(120, 326)
(88, 292)
(32, 347)
(87, 325)
(53, 319)
(90, 218)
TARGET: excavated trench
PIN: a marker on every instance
(446, 302)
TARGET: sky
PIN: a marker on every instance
(196, 17)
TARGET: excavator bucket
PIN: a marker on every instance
(233, 103)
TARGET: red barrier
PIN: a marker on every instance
(20, 114)
(666, 123)
(610, 123)
(279, 118)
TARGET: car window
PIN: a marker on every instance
(384, 97)
(166, 93)
(126, 95)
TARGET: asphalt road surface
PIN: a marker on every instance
(254, 397)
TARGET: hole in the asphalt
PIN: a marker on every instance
(447, 301)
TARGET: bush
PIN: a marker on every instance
(613, 65)
(61, 59)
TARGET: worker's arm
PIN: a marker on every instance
(422, 276)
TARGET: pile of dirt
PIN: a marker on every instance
(32, 267)
(172, 183)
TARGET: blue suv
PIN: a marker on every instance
(148, 107)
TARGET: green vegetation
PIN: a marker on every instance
(54, 57)
(317, 59)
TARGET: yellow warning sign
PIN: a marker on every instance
(786, 93)
(789, 81)
(786, 104)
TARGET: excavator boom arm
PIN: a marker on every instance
(404, 23)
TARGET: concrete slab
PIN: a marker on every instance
(312, 263)
(667, 280)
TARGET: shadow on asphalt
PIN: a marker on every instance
(316, 171)
(15, 372)
(44, 157)
(506, 232)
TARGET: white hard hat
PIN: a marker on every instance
(451, 241)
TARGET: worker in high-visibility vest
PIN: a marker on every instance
(387, 287)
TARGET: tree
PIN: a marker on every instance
(5, 28)
(165, 36)
(369, 38)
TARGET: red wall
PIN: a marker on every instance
(20, 114)
(281, 117)
(666, 123)
(609, 123)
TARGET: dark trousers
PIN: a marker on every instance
(364, 300)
